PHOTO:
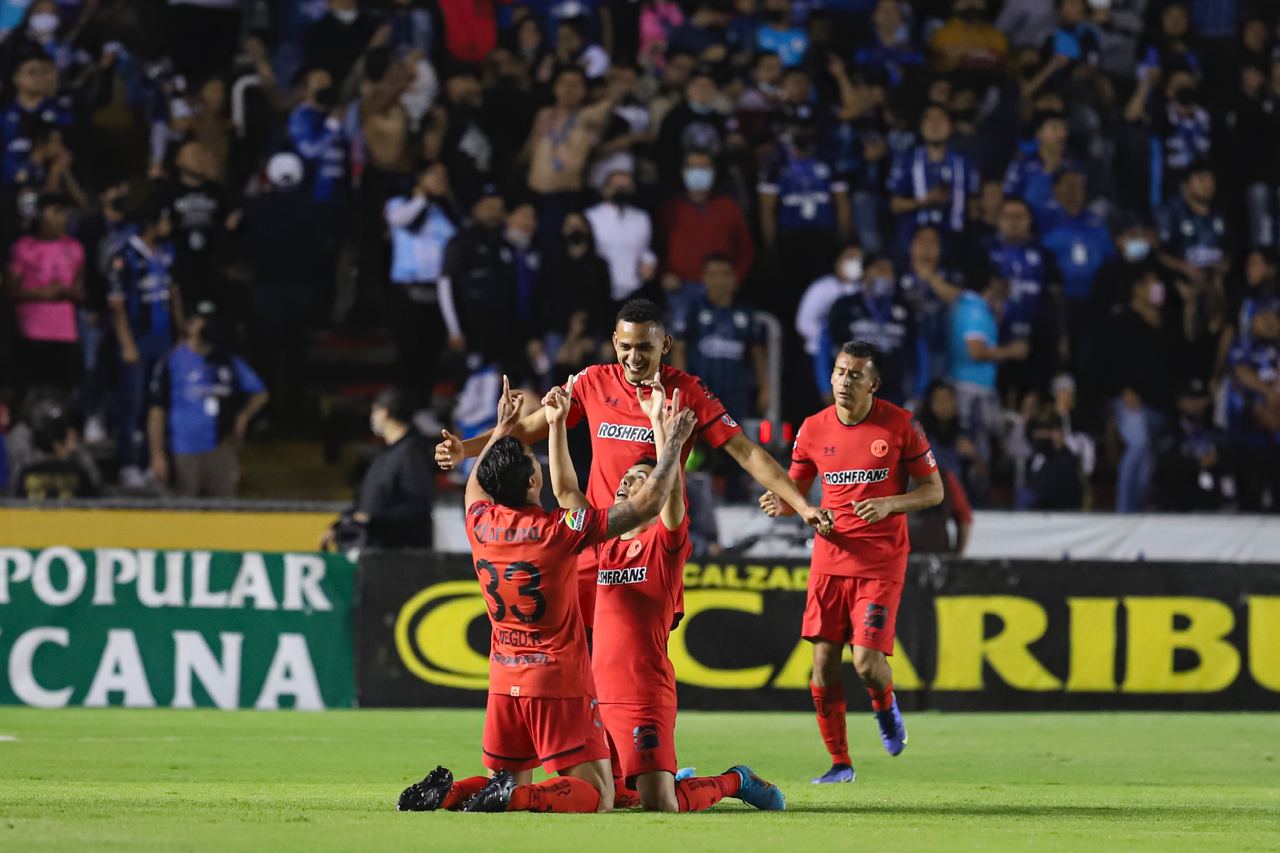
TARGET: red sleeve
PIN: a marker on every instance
(580, 528)
(714, 424)
(474, 513)
(582, 386)
(961, 511)
(916, 453)
(802, 467)
(674, 540)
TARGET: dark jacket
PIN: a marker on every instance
(397, 494)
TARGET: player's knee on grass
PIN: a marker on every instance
(826, 663)
(872, 666)
(599, 775)
(657, 791)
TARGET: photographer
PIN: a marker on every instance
(393, 506)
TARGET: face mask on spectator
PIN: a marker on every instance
(1155, 293)
(44, 23)
(700, 109)
(623, 197)
(576, 239)
(374, 426)
(1186, 96)
(851, 269)
(518, 238)
(346, 16)
(1135, 249)
(698, 179)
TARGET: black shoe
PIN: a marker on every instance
(426, 796)
(495, 796)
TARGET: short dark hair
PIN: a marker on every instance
(862, 349)
(645, 460)
(504, 472)
(716, 258)
(641, 311)
(564, 69)
(399, 403)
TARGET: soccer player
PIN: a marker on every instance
(542, 708)
(640, 580)
(866, 450)
(604, 395)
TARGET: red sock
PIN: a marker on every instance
(624, 797)
(461, 790)
(828, 702)
(564, 794)
(881, 700)
(703, 792)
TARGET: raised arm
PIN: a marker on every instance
(450, 452)
(646, 503)
(508, 417)
(673, 508)
(564, 479)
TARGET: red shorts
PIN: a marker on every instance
(643, 736)
(588, 569)
(522, 732)
(858, 611)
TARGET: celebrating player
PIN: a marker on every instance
(865, 449)
(542, 708)
(640, 579)
(620, 433)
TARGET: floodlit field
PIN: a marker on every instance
(207, 780)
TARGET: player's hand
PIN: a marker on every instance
(678, 423)
(821, 520)
(556, 402)
(771, 504)
(449, 452)
(510, 404)
(872, 510)
(657, 400)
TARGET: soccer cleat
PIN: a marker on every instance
(837, 773)
(494, 796)
(426, 796)
(685, 773)
(755, 791)
(893, 731)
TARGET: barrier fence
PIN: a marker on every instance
(186, 628)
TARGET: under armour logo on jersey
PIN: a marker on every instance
(612, 401)
(828, 451)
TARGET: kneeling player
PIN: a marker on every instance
(866, 451)
(640, 580)
(542, 708)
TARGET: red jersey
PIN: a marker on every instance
(620, 432)
(639, 584)
(526, 560)
(872, 459)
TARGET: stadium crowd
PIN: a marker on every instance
(1058, 222)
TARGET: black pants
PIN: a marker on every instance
(418, 331)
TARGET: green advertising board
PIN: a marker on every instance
(180, 629)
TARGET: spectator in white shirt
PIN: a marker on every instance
(815, 305)
(623, 234)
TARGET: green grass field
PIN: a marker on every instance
(210, 780)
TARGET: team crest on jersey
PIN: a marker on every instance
(933, 463)
(634, 548)
(879, 448)
(575, 519)
(728, 421)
